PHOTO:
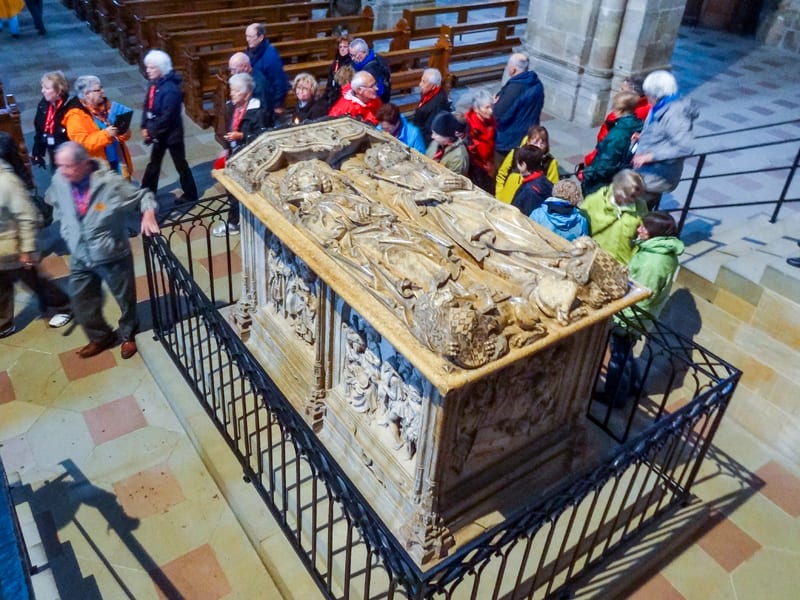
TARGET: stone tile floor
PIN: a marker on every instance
(125, 506)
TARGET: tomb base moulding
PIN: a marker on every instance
(441, 345)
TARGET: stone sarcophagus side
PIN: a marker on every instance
(440, 343)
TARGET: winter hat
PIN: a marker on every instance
(446, 125)
(568, 190)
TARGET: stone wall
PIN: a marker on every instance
(582, 50)
(780, 25)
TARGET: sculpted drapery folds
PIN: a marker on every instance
(470, 277)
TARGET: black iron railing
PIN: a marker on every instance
(539, 551)
(779, 160)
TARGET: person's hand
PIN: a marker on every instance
(641, 159)
(112, 131)
(145, 135)
(234, 136)
(27, 260)
(149, 223)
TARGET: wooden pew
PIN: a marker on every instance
(176, 43)
(503, 44)
(472, 37)
(10, 123)
(201, 69)
(147, 28)
(120, 25)
(422, 20)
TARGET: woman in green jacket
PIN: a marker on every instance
(615, 212)
(653, 265)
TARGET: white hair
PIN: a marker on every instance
(359, 45)
(85, 82)
(434, 76)
(242, 82)
(160, 60)
(481, 98)
(360, 80)
(660, 84)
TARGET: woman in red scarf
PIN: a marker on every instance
(245, 119)
(480, 143)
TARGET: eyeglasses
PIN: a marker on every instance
(100, 89)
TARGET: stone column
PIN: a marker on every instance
(387, 12)
(583, 49)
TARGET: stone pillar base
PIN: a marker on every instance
(572, 92)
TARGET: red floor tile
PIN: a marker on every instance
(54, 266)
(6, 388)
(114, 419)
(781, 487)
(149, 492)
(658, 588)
(727, 544)
(220, 265)
(196, 575)
(76, 367)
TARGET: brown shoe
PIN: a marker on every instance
(95, 348)
(128, 349)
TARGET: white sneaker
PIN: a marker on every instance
(219, 230)
(60, 320)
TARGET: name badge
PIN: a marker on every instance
(150, 115)
(51, 141)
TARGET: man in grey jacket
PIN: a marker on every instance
(93, 204)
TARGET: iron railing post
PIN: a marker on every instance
(690, 194)
(785, 190)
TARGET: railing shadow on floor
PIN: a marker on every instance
(55, 505)
(538, 551)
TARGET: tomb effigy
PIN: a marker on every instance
(441, 344)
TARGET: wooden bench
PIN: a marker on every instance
(11, 123)
(201, 69)
(422, 20)
(463, 51)
(176, 43)
(147, 28)
(119, 25)
(472, 36)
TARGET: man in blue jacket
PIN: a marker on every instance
(517, 106)
(265, 59)
(93, 205)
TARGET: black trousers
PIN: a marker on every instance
(178, 153)
(35, 8)
(52, 299)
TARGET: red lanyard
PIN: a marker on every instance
(238, 115)
(50, 118)
(81, 200)
(151, 97)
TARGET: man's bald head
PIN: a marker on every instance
(517, 63)
(239, 63)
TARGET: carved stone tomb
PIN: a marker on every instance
(440, 343)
